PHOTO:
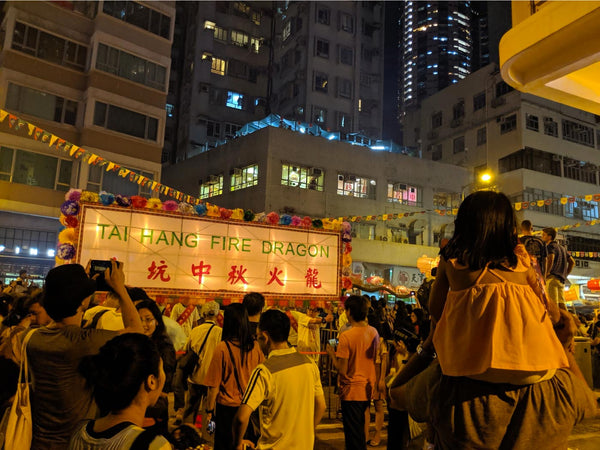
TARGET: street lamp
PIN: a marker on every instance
(482, 183)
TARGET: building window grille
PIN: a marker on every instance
(295, 175)
(140, 16)
(125, 121)
(578, 133)
(354, 186)
(481, 136)
(211, 187)
(49, 47)
(458, 144)
(244, 178)
(479, 101)
(41, 104)
(404, 194)
(532, 122)
(508, 124)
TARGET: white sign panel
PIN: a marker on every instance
(174, 252)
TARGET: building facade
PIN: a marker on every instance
(298, 174)
(444, 41)
(538, 151)
(238, 62)
(222, 78)
(437, 47)
(95, 74)
(328, 66)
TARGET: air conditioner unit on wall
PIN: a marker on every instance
(314, 172)
(236, 171)
(212, 179)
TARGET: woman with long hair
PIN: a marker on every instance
(126, 377)
(154, 327)
(232, 363)
(502, 380)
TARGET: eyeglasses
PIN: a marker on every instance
(148, 321)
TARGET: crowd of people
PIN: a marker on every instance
(483, 360)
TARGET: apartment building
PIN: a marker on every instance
(221, 82)
(538, 151)
(95, 74)
(294, 173)
(328, 66)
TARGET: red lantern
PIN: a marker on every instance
(594, 284)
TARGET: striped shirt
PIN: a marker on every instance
(118, 437)
(285, 387)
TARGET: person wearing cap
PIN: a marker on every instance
(60, 398)
(203, 340)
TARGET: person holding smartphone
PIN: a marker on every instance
(60, 397)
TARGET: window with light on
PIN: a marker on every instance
(212, 187)
(302, 177)
(244, 178)
(404, 194)
(354, 186)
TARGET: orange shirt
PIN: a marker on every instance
(359, 346)
(220, 373)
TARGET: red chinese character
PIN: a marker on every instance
(312, 278)
(275, 276)
(237, 275)
(200, 270)
(158, 271)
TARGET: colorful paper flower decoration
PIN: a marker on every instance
(169, 205)
(65, 251)
(200, 209)
(122, 200)
(69, 208)
(186, 208)
(273, 218)
(89, 196)
(138, 201)
(73, 195)
(106, 198)
(154, 203)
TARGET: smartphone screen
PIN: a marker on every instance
(99, 266)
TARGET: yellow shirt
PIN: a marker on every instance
(285, 387)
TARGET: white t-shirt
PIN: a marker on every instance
(309, 337)
(194, 317)
(175, 332)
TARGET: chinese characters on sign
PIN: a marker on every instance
(169, 251)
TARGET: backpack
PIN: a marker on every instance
(423, 293)
(535, 247)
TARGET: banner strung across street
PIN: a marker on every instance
(171, 252)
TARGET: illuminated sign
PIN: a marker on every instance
(174, 252)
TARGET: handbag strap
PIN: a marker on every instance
(24, 366)
(206, 339)
(235, 372)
